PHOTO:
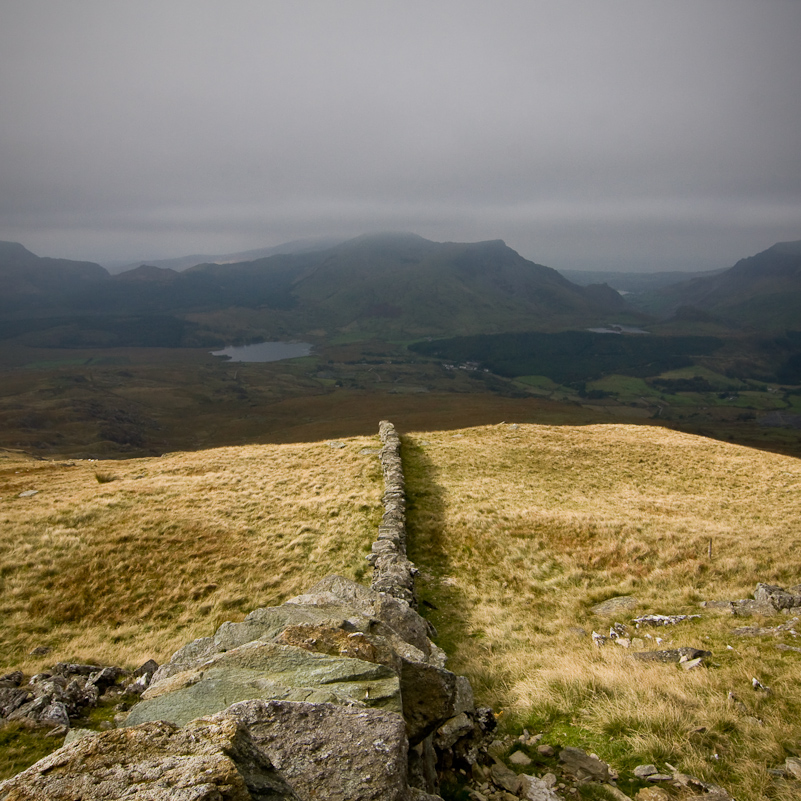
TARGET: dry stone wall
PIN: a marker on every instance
(393, 573)
(339, 693)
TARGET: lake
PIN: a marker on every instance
(264, 351)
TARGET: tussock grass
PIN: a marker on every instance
(126, 570)
(521, 530)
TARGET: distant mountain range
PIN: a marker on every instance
(386, 284)
(380, 283)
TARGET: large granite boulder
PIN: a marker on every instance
(203, 761)
(330, 752)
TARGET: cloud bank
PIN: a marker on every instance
(628, 134)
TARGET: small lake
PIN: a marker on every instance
(617, 329)
(264, 351)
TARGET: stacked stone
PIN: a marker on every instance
(393, 573)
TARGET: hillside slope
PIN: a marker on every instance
(518, 530)
(762, 292)
(405, 282)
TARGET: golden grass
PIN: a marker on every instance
(520, 530)
(122, 561)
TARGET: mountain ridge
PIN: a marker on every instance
(375, 283)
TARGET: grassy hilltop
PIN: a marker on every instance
(518, 532)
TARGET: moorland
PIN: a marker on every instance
(518, 531)
(549, 468)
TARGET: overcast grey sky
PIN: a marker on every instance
(607, 133)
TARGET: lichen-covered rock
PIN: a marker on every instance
(204, 761)
(266, 671)
(330, 752)
(776, 597)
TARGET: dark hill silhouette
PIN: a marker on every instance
(762, 292)
(397, 282)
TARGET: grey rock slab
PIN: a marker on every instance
(672, 655)
(777, 597)
(267, 671)
(429, 695)
(505, 778)
(583, 765)
(614, 606)
(329, 752)
(644, 771)
(200, 762)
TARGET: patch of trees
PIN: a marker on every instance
(572, 356)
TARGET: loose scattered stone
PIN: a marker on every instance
(534, 789)
(792, 765)
(546, 750)
(652, 794)
(615, 606)
(644, 771)
(777, 597)
(505, 778)
(520, 758)
(672, 655)
(28, 493)
(336, 445)
(583, 765)
(763, 631)
(662, 620)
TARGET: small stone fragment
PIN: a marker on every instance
(534, 789)
(546, 750)
(28, 493)
(520, 758)
(652, 794)
(793, 766)
(644, 771)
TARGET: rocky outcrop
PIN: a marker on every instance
(339, 693)
(768, 600)
(54, 698)
(207, 760)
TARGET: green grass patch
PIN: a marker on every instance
(538, 381)
(717, 380)
(21, 746)
(625, 387)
